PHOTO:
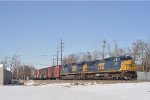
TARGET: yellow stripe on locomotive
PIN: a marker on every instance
(128, 65)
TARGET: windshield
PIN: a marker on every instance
(125, 57)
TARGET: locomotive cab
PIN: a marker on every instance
(127, 64)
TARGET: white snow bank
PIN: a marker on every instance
(29, 83)
(120, 91)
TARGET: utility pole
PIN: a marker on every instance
(57, 55)
(61, 50)
(54, 62)
(104, 42)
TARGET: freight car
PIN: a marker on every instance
(47, 73)
(122, 67)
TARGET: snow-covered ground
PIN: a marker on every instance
(67, 91)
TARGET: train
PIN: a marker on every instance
(111, 68)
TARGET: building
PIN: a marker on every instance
(5, 76)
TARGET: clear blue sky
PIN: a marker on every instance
(33, 29)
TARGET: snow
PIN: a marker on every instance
(67, 91)
(1, 65)
(29, 83)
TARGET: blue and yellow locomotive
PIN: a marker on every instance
(122, 67)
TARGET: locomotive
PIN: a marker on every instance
(122, 67)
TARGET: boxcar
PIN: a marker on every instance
(57, 70)
(37, 74)
(43, 73)
(49, 72)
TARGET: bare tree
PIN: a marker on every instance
(82, 57)
(72, 58)
(97, 55)
(5, 62)
(108, 50)
(14, 64)
(115, 50)
(86, 57)
(11, 63)
(89, 56)
(141, 53)
(24, 71)
(64, 61)
(128, 51)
